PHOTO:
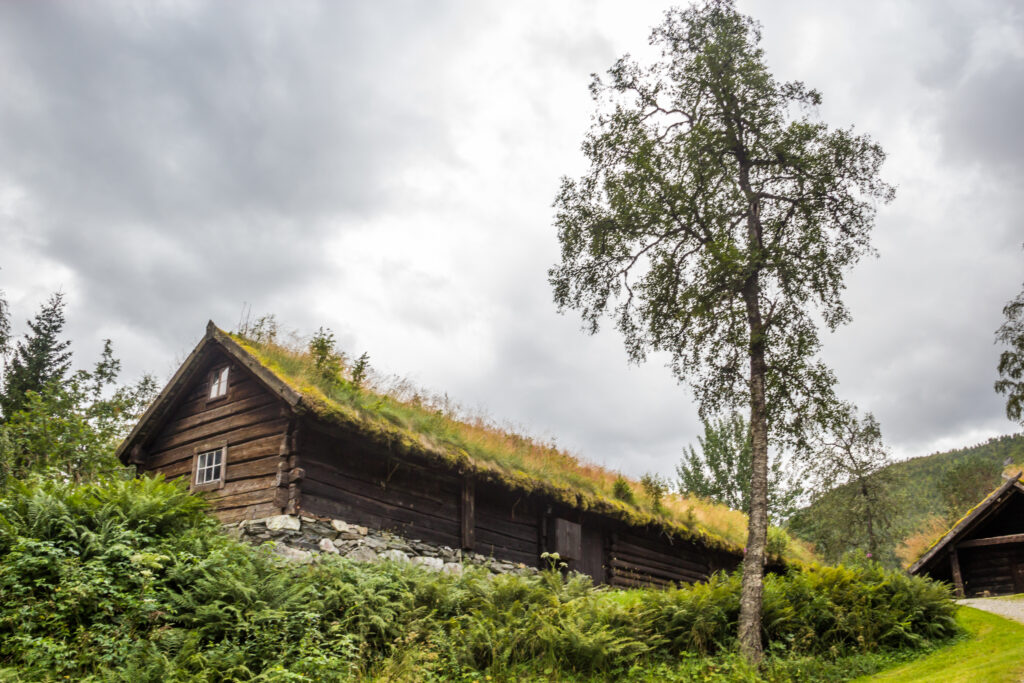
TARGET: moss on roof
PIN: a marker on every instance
(409, 422)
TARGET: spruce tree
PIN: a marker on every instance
(39, 359)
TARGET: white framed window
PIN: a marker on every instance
(219, 382)
(209, 469)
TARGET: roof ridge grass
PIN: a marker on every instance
(423, 425)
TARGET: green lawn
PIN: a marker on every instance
(994, 652)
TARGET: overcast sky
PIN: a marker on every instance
(387, 170)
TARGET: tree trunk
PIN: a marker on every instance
(751, 596)
(869, 518)
(752, 591)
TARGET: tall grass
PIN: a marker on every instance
(444, 426)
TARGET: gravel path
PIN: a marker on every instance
(1011, 609)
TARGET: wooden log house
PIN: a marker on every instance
(983, 554)
(258, 446)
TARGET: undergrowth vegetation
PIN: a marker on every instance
(317, 370)
(131, 580)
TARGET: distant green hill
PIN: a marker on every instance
(928, 493)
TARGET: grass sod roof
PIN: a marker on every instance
(409, 422)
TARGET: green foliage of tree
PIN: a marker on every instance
(847, 459)
(40, 359)
(1011, 361)
(70, 429)
(622, 490)
(715, 224)
(59, 423)
(965, 484)
(721, 470)
(264, 330)
(361, 369)
(940, 485)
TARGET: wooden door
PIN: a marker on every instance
(592, 557)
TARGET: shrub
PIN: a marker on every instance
(130, 580)
(777, 542)
(622, 490)
(655, 487)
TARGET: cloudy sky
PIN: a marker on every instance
(387, 170)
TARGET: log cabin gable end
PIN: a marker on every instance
(217, 371)
(227, 428)
(984, 552)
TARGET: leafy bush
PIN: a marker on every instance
(131, 580)
(778, 540)
(655, 486)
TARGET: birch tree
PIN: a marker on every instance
(715, 224)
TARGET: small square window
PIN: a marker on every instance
(219, 385)
(209, 467)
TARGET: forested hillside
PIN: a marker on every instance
(926, 495)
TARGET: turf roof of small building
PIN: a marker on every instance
(416, 424)
(962, 525)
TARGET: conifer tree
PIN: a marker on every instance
(39, 359)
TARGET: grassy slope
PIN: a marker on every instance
(922, 508)
(440, 426)
(993, 652)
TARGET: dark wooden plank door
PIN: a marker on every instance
(593, 554)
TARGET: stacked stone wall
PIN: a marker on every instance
(304, 539)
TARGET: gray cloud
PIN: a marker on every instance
(388, 170)
(183, 154)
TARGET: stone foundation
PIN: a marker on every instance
(303, 539)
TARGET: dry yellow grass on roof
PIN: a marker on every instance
(433, 424)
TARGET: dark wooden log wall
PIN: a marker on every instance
(995, 570)
(345, 480)
(249, 419)
(639, 559)
(507, 525)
